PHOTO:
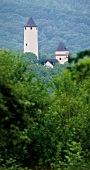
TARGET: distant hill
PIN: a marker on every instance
(58, 20)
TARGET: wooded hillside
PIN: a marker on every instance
(58, 20)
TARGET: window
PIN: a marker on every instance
(26, 44)
(60, 58)
(31, 28)
(25, 28)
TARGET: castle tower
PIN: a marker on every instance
(62, 53)
(31, 37)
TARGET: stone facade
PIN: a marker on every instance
(31, 37)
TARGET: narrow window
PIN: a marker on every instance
(25, 28)
(60, 58)
(26, 44)
(31, 28)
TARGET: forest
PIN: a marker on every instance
(44, 113)
(65, 21)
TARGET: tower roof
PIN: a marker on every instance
(61, 47)
(30, 23)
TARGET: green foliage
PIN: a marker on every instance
(79, 56)
(43, 128)
(12, 165)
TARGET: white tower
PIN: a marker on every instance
(62, 53)
(31, 37)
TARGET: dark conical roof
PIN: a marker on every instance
(30, 23)
(61, 47)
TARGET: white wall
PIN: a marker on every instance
(31, 40)
(48, 64)
(62, 56)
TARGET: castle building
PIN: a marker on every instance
(31, 37)
(31, 45)
(49, 62)
(62, 53)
